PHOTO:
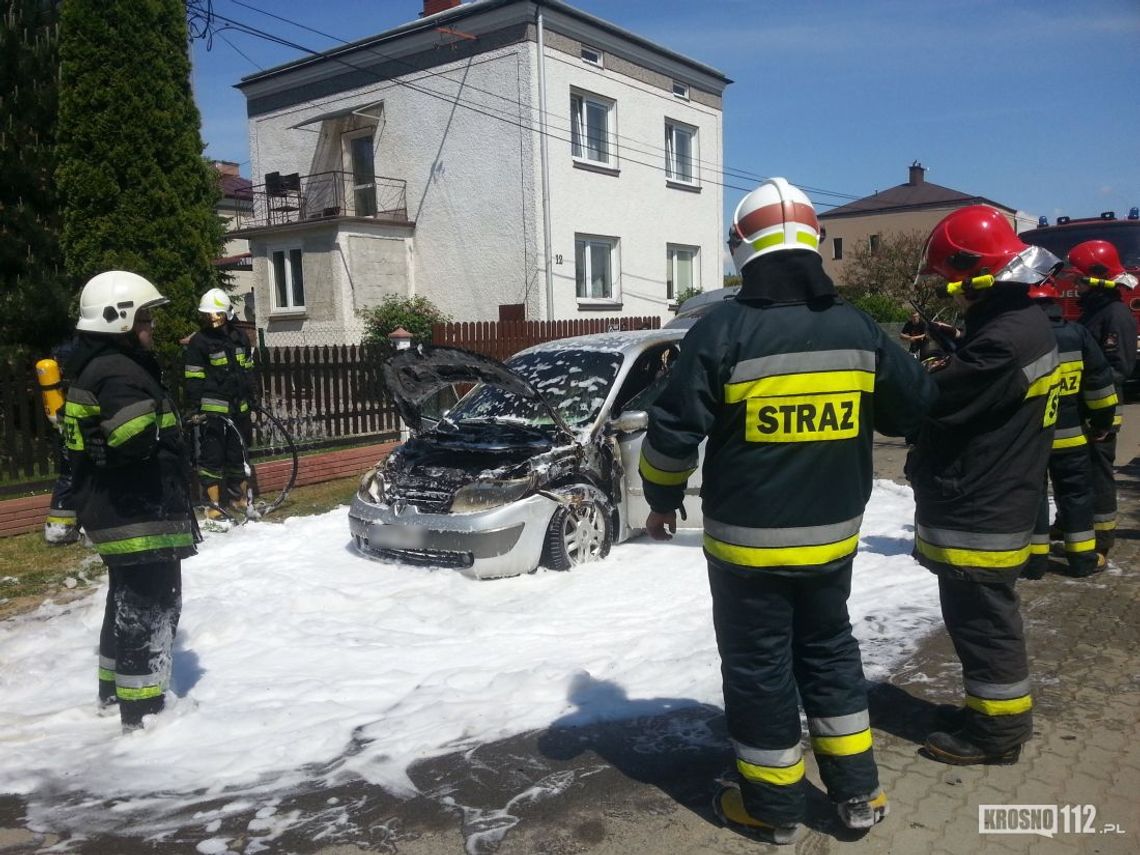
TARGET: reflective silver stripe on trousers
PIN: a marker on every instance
(802, 363)
(1039, 538)
(985, 541)
(140, 529)
(997, 691)
(131, 411)
(839, 725)
(776, 757)
(1103, 518)
(1078, 536)
(189, 367)
(106, 663)
(666, 463)
(140, 681)
(217, 402)
(1067, 433)
(810, 535)
(1040, 367)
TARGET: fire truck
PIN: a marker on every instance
(1067, 233)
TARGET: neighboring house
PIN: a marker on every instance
(236, 206)
(415, 162)
(917, 205)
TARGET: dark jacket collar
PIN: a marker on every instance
(786, 276)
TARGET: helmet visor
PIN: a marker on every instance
(1030, 266)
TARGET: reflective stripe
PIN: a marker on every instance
(1069, 438)
(79, 410)
(1071, 369)
(1098, 399)
(1117, 420)
(210, 473)
(973, 558)
(218, 357)
(842, 746)
(839, 725)
(245, 360)
(215, 405)
(793, 556)
(128, 694)
(807, 362)
(106, 675)
(996, 691)
(1104, 525)
(1088, 544)
(781, 766)
(664, 462)
(802, 383)
(768, 538)
(1013, 706)
(142, 544)
(768, 756)
(780, 776)
(106, 662)
(61, 515)
(129, 422)
(985, 541)
(1044, 385)
(139, 529)
(139, 681)
(1041, 369)
(1039, 548)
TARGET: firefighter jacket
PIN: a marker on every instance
(788, 382)
(1088, 395)
(978, 466)
(130, 467)
(1104, 314)
(219, 372)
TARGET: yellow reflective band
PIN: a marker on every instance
(215, 408)
(781, 556)
(143, 543)
(1110, 525)
(807, 239)
(1081, 545)
(1117, 421)
(60, 520)
(1070, 442)
(971, 557)
(1101, 403)
(195, 375)
(808, 383)
(126, 694)
(1071, 377)
(1013, 706)
(1043, 385)
(1038, 549)
(842, 746)
(782, 776)
(106, 675)
(219, 360)
(80, 411)
(659, 476)
(768, 240)
(130, 429)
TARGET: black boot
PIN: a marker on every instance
(953, 749)
(950, 717)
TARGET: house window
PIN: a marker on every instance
(873, 244)
(680, 152)
(288, 279)
(681, 90)
(594, 263)
(680, 270)
(837, 249)
(592, 56)
(590, 119)
(360, 154)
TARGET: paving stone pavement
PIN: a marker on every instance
(644, 785)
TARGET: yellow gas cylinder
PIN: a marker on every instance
(51, 388)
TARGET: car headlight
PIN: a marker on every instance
(371, 487)
(484, 495)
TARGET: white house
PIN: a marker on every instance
(504, 158)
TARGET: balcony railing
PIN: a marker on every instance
(323, 196)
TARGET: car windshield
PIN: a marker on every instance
(575, 382)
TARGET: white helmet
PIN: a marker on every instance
(216, 302)
(773, 217)
(110, 300)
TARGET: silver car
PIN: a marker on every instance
(535, 466)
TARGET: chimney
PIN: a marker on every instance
(433, 7)
(226, 167)
(917, 170)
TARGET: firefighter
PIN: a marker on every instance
(1100, 275)
(1087, 402)
(788, 382)
(219, 381)
(131, 486)
(978, 472)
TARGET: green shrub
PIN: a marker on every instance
(415, 314)
(882, 308)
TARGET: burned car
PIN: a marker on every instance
(535, 466)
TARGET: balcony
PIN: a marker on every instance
(285, 200)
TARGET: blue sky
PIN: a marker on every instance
(1031, 103)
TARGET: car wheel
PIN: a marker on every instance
(577, 533)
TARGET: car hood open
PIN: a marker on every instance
(415, 375)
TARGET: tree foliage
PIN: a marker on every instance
(883, 279)
(35, 296)
(137, 193)
(415, 314)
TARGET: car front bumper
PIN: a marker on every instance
(505, 541)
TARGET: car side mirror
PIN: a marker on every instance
(630, 421)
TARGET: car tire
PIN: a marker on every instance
(577, 534)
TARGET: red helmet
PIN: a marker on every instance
(972, 241)
(1044, 291)
(1096, 258)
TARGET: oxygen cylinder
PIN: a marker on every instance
(51, 388)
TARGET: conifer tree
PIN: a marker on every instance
(34, 294)
(137, 193)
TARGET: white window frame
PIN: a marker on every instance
(592, 56)
(582, 282)
(674, 130)
(680, 90)
(672, 252)
(580, 102)
(293, 257)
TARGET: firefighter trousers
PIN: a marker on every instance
(1102, 456)
(144, 602)
(222, 452)
(984, 622)
(1072, 492)
(778, 634)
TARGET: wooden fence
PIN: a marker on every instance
(325, 396)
